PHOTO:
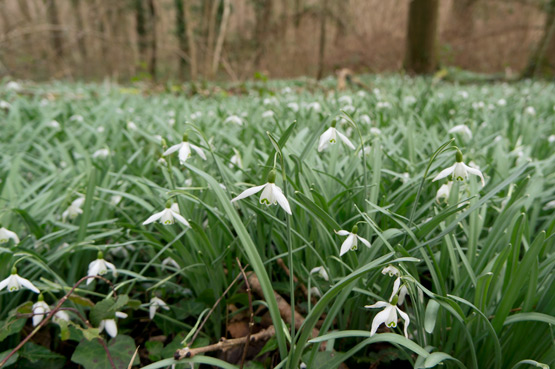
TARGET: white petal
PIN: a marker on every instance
(198, 150)
(364, 241)
(380, 318)
(9, 234)
(476, 172)
(325, 139)
(402, 294)
(444, 173)
(184, 153)
(406, 319)
(347, 244)
(377, 305)
(345, 140)
(112, 268)
(396, 286)
(111, 327)
(101, 326)
(154, 218)
(181, 219)
(4, 283)
(27, 284)
(249, 192)
(342, 233)
(282, 200)
(13, 283)
(267, 196)
(152, 311)
(121, 315)
(172, 149)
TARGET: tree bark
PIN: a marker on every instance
(76, 6)
(153, 41)
(542, 61)
(221, 38)
(181, 36)
(140, 17)
(421, 56)
(262, 11)
(322, 44)
(191, 40)
(55, 35)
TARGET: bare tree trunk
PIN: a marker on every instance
(211, 31)
(221, 38)
(542, 61)
(141, 29)
(153, 47)
(181, 36)
(55, 35)
(191, 40)
(421, 57)
(262, 11)
(322, 45)
(79, 24)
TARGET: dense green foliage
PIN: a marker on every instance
(478, 263)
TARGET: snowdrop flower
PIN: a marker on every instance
(102, 153)
(234, 119)
(40, 309)
(321, 272)
(314, 106)
(100, 267)
(388, 316)
(451, 111)
(550, 205)
(502, 102)
(461, 128)
(365, 119)
(383, 105)
(196, 115)
(361, 93)
(444, 191)
(168, 216)
(6, 235)
(184, 150)
(315, 291)
(392, 271)
(4, 104)
(351, 241)
(53, 124)
(271, 194)
(74, 209)
(348, 109)
(459, 170)
(169, 261)
(269, 101)
(551, 139)
(286, 90)
(131, 126)
(14, 283)
(110, 324)
(376, 91)
(293, 106)
(236, 159)
(114, 200)
(405, 177)
(155, 303)
(100, 129)
(409, 100)
(77, 118)
(403, 291)
(13, 85)
(375, 131)
(478, 105)
(61, 316)
(268, 114)
(530, 110)
(171, 122)
(463, 94)
(345, 100)
(330, 137)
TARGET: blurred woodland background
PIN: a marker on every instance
(234, 39)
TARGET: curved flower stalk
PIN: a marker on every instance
(460, 171)
(168, 216)
(6, 235)
(184, 150)
(351, 243)
(271, 194)
(110, 324)
(100, 267)
(14, 283)
(330, 137)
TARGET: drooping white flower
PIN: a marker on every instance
(348, 109)
(168, 216)
(114, 200)
(330, 137)
(315, 106)
(196, 115)
(375, 131)
(388, 316)
(463, 94)
(53, 124)
(351, 242)
(110, 324)
(551, 139)
(60, 316)
(74, 209)
(321, 272)
(383, 105)
(13, 85)
(271, 194)
(169, 261)
(6, 235)
(459, 171)
(461, 128)
(365, 119)
(444, 191)
(501, 102)
(4, 104)
(345, 100)
(131, 126)
(102, 154)
(550, 205)
(14, 283)
(391, 270)
(293, 106)
(409, 100)
(236, 159)
(40, 309)
(268, 114)
(478, 105)
(185, 150)
(397, 288)
(234, 119)
(155, 303)
(530, 110)
(100, 267)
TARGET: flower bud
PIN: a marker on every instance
(168, 204)
(185, 137)
(272, 176)
(355, 229)
(100, 255)
(459, 156)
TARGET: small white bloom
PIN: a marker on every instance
(271, 194)
(409, 100)
(365, 119)
(13, 85)
(14, 283)
(5, 104)
(530, 110)
(40, 309)
(53, 124)
(196, 115)
(234, 119)
(114, 200)
(61, 315)
(102, 153)
(361, 93)
(286, 90)
(330, 137)
(383, 105)
(501, 102)
(375, 131)
(444, 191)
(551, 139)
(461, 128)
(100, 129)
(348, 109)
(321, 272)
(110, 324)
(351, 242)
(405, 177)
(314, 106)
(478, 105)
(376, 91)
(315, 291)
(550, 205)
(463, 94)
(168, 216)
(459, 171)
(131, 126)
(171, 121)
(77, 118)
(184, 150)
(155, 303)
(169, 261)
(387, 316)
(392, 271)
(270, 101)
(236, 159)
(345, 100)
(74, 209)
(6, 235)
(268, 114)
(100, 267)
(293, 106)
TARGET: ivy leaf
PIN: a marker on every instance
(91, 354)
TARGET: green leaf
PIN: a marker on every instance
(91, 354)
(107, 308)
(33, 355)
(431, 315)
(12, 360)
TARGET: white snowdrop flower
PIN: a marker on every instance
(53, 124)
(102, 154)
(375, 131)
(459, 170)
(5, 105)
(189, 182)
(77, 118)
(461, 128)
(100, 267)
(271, 193)
(171, 113)
(388, 316)
(40, 310)
(550, 205)
(348, 109)
(13, 85)
(383, 105)
(114, 200)
(268, 114)
(234, 119)
(100, 129)
(315, 291)
(168, 216)
(444, 191)
(409, 100)
(491, 107)
(171, 122)
(330, 137)
(351, 242)
(162, 162)
(185, 150)
(196, 115)
(222, 186)
(405, 177)
(361, 93)
(321, 272)
(110, 324)
(171, 262)
(497, 138)
(551, 139)
(451, 111)
(131, 126)
(60, 316)
(392, 271)
(376, 91)
(530, 110)
(6, 235)
(345, 100)
(478, 105)
(158, 138)
(286, 90)
(293, 106)
(463, 94)
(14, 283)
(269, 101)
(156, 303)
(236, 159)
(44, 102)
(365, 119)
(74, 209)
(315, 106)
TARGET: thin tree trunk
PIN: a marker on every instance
(322, 44)
(55, 35)
(542, 61)
(191, 40)
(421, 57)
(153, 46)
(262, 11)
(141, 29)
(221, 37)
(79, 24)
(211, 30)
(181, 36)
